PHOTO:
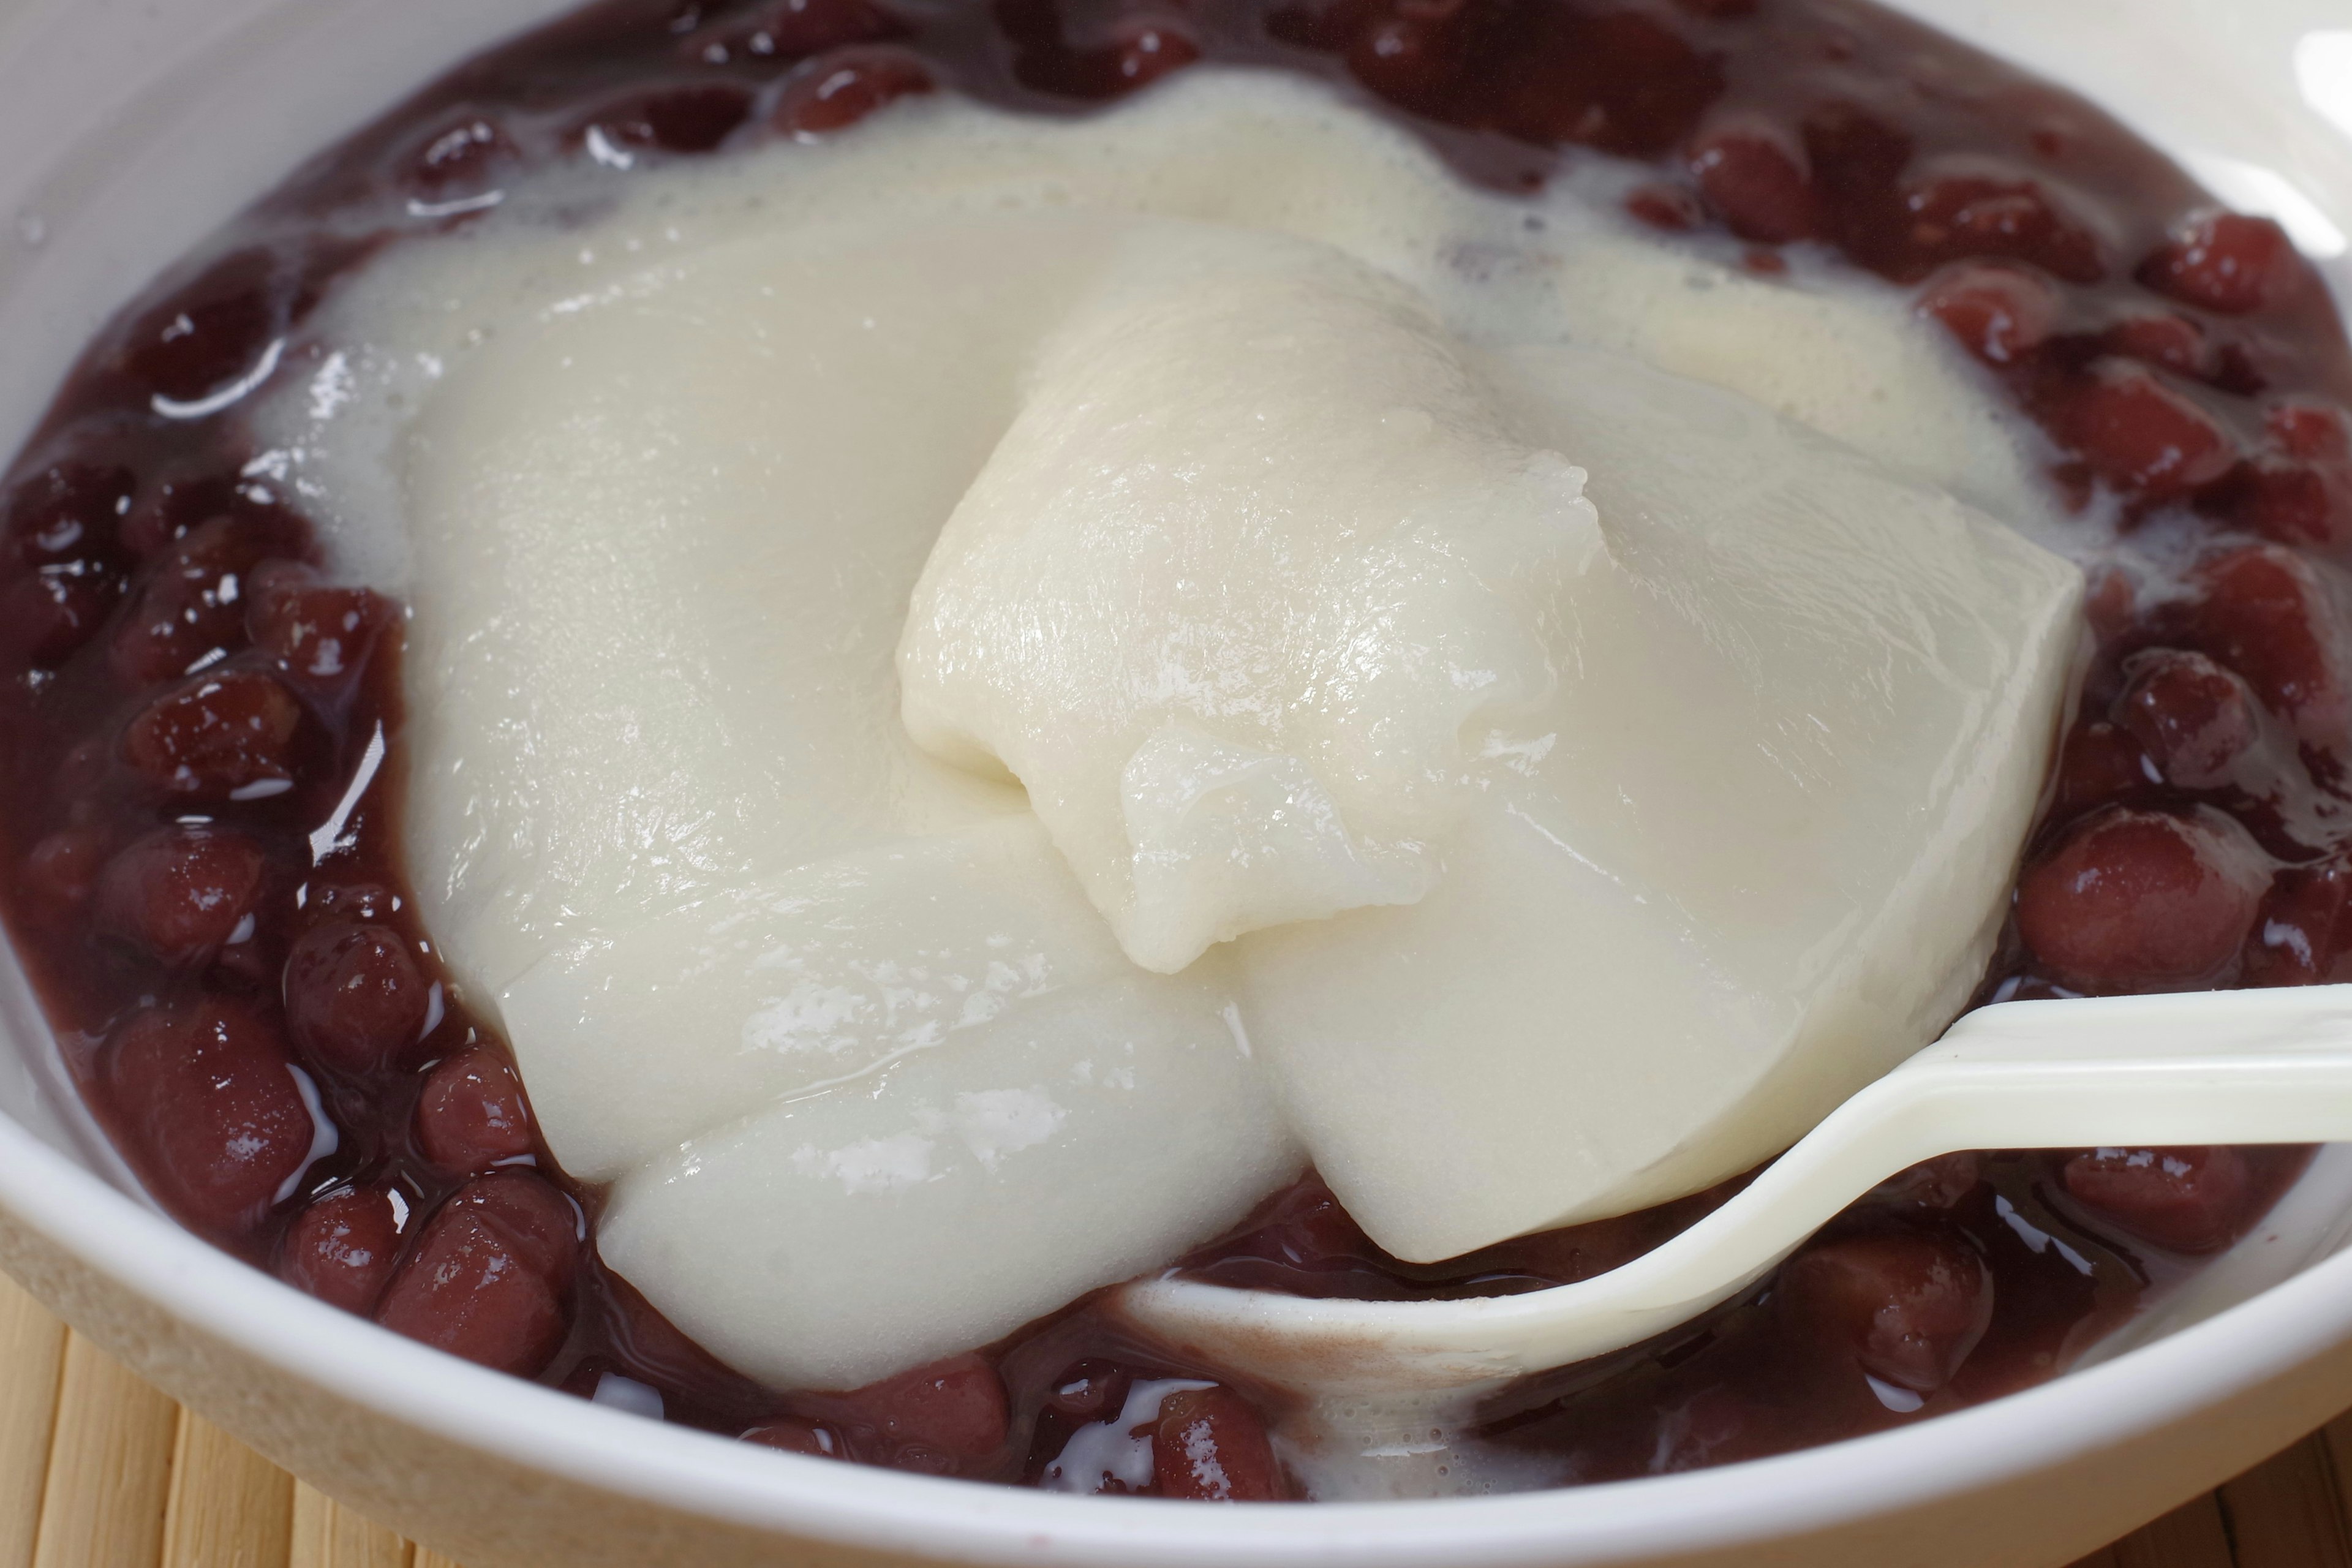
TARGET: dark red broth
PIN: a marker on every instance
(201, 733)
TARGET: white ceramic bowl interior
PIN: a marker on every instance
(135, 127)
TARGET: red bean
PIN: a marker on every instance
(2142, 899)
(949, 1413)
(2140, 434)
(457, 158)
(212, 1117)
(1668, 208)
(2195, 717)
(477, 1287)
(62, 871)
(791, 30)
(191, 604)
(355, 995)
(2315, 432)
(472, 1113)
(2193, 1200)
(68, 510)
(1755, 176)
(2166, 342)
(318, 636)
(1210, 1446)
(219, 736)
(794, 1436)
(2290, 501)
(1999, 314)
(1966, 216)
(48, 614)
(1614, 79)
(2270, 614)
(677, 120)
(209, 334)
(2225, 262)
(342, 1247)
(181, 894)
(1907, 1305)
(2101, 763)
(2303, 934)
(544, 1226)
(1936, 1183)
(843, 89)
(1093, 1390)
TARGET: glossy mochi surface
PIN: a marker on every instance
(659, 484)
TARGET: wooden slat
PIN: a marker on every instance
(2286, 1512)
(427, 1558)
(329, 1535)
(2190, 1536)
(32, 1355)
(110, 1470)
(230, 1508)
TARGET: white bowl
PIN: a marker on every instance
(136, 126)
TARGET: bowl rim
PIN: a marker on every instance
(724, 1481)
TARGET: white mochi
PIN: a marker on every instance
(1242, 593)
(962, 1193)
(1752, 854)
(658, 458)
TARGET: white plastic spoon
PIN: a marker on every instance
(2231, 1067)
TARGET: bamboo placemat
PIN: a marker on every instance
(98, 1470)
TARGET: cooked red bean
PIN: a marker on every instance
(540, 1221)
(319, 636)
(467, 1291)
(489, 1277)
(47, 614)
(224, 736)
(935, 1418)
(355, 995)
(62, 871)
(2194, 718)
(1999, 313)
(1907, 1305)
(1669, 208)
(2142, 899)
(2271, 614)
(1755, 176)
(794, 1436)
(843, 89)
(1093, 1390)
(212, 332)
(2140, 434)
(458, 159)
(1968, 216)
(2303, 935)
(2101, 762)
(189, 607)
(67, 510)
(208, 1103)
(2225, 262)
(181, 894)
(677, 120)
(472, 1113)
(791, 30)
(1210, 1446)
(2190, 1200)
(342, 1247)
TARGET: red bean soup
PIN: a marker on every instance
(200, 778)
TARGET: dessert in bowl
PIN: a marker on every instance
(543, 366)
